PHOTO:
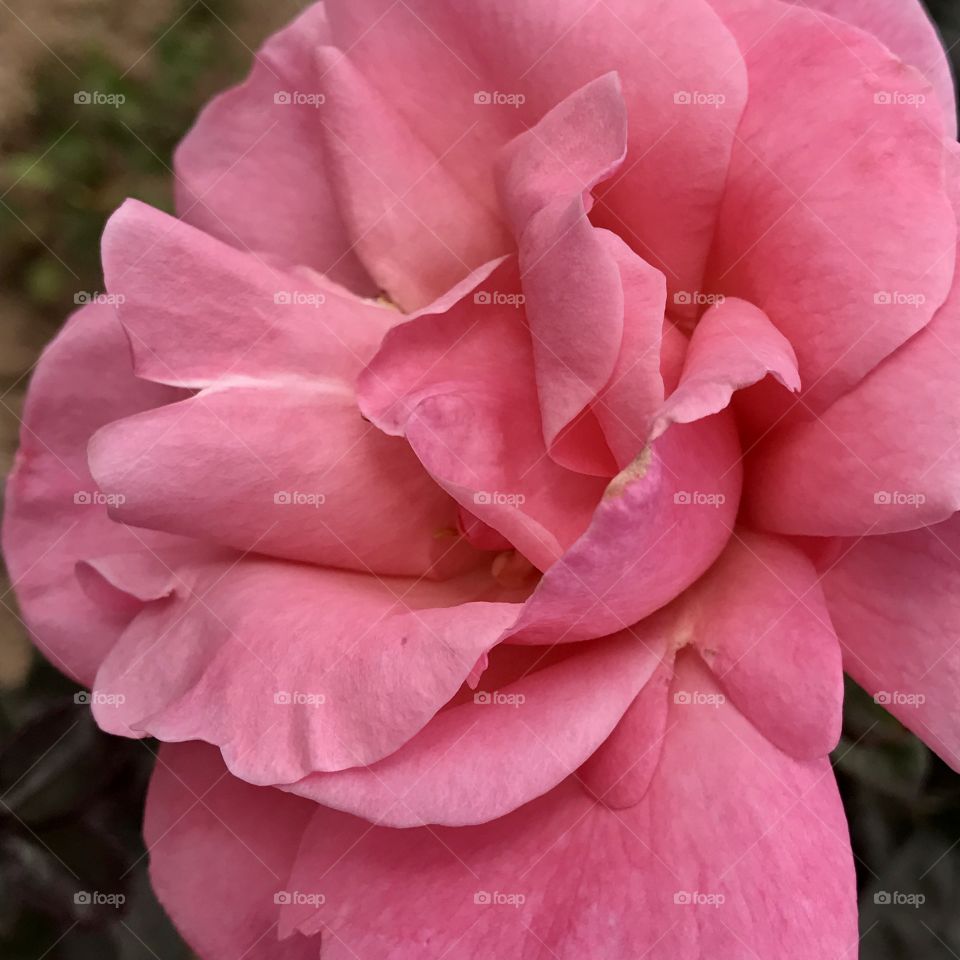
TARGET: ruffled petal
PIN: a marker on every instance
(289, 471)
(661, 524)
(506, 746)
(733, 346)
(416, 229)
(574, 276)
(55, 515)
(735, 848)
(199, 312)
(460, 386)
(467, 80)
(292, 669)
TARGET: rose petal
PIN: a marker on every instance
(895, 601)
(292, 669)
(290, 471)
(885, 457)
(55, 515)
(251, 171)
(759, 620)
(459, 385)
(467, 82)
(199, 312)
(906, 28)
(416, 229)
(733, 346)
(662, 523)
(735, 848)
(801, 234)
(519, 741)
(221, 849)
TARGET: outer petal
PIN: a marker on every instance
(199, 312)
(906, 28)
(662, 523)
(825, 193)
(291, 669)
(251, 171)
(55, 515)
(733, 346)
(469, 79)
(887, 452)
(482, 759)
(736, 848)
(220, 855)
(759, 620)
(895, 601)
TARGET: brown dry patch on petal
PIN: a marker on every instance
(635, 471)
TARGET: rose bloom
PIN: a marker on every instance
(482, 483)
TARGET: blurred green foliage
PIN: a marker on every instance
(69, 165)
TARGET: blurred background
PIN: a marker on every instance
(71, 798)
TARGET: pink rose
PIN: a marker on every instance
(531, 412)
